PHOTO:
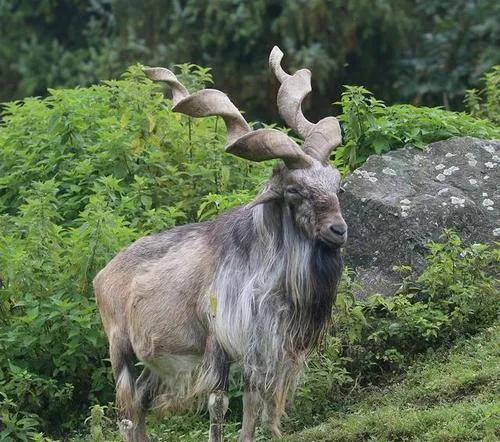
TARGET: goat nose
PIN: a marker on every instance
(338, 229)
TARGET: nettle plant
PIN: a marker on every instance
(485, 102)
(370, 127)
(122, 133)
(82, 173)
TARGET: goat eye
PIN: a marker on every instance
(292, 190)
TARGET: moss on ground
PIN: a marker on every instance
(448, 396)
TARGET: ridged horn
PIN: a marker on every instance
(320, 138)
(204, 103)
(179, 92)
(267, 144)
(259, 145)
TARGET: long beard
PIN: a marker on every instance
(274, 297)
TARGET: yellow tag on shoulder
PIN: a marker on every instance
(213, 304)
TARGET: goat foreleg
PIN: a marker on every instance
(216, 374)
(251, 409)
(217, 405)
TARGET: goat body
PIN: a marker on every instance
(253, 287)
(248, 279)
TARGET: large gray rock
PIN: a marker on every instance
(396, 203)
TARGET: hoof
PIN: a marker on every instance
(125, 425)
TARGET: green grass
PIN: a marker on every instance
(447, 396)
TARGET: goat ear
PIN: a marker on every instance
(270, 194)
(268, 144)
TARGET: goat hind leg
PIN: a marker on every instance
(121, 355)
(130, 411)
(145, 388)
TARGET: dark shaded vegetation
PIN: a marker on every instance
(427, 52)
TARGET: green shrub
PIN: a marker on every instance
(457, 295)
(83, 173)
(51, 336)
(485, 102)
(121, 139)
(16, 424)
(371, 127)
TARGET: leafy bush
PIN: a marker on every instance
(52, 335)
(485, 102)
(17, 424)
(456, 295)
(83, 173)
(371, 127)
(121, 140)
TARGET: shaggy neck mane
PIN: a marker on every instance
(278, 273)
(309, 275)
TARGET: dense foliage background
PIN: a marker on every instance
(419, 51)
(85, 171)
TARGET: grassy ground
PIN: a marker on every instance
(448, 396)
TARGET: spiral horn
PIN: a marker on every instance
(259, 145)
(320, 138)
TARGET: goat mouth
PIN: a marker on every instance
(333, 240)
